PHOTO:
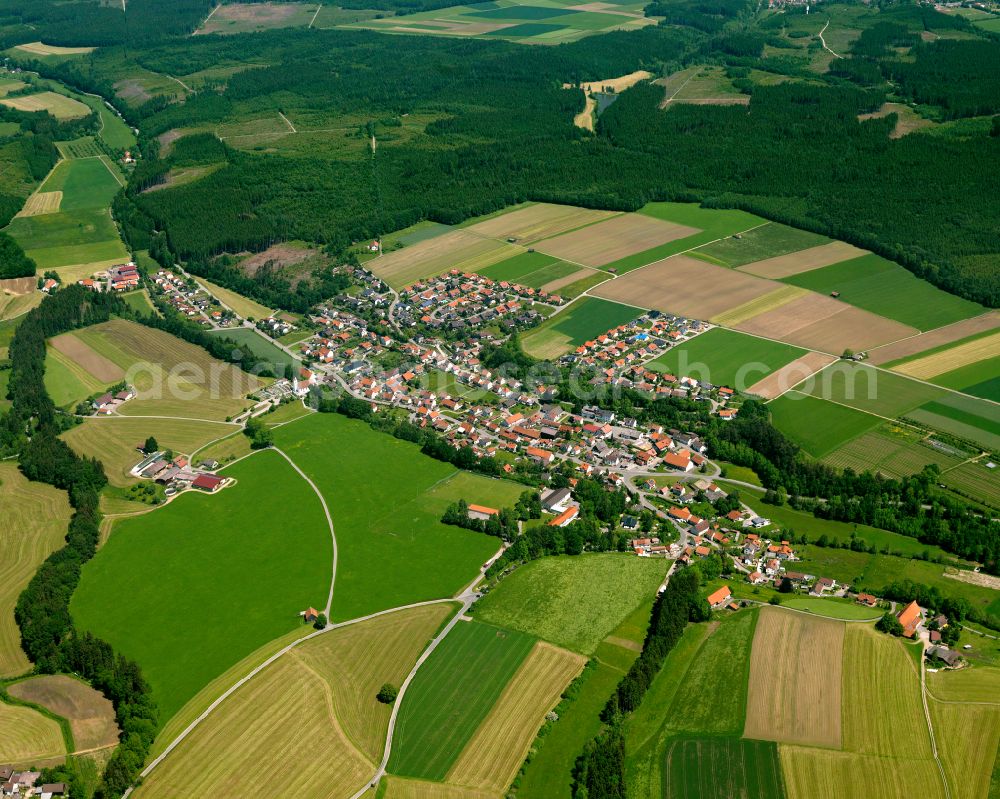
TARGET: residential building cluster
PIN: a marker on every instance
(25, 785)
(121, 277)
(177, 474)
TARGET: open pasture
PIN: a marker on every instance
(791, 374)
(58, 105)
(114, 440)
(716, 702)
(890, 450)
(84, 183)
(495, 752)
(887, 289)
(387, 499)
(793, 262)
(767, 241)
(28, 736)
(184, 569)
(452, 695)
(821, 323)
(91, 716)
(256, 17)
(935, 340)
(572, 601)
(726, 358)
(538, 221)
(722, 768)
(35, 517)
(819, 427)
(883, 714)
(685, 286)
(605, 242)
(170, 376)
(809, 771)
(242, 306)
(791, 698)
(457, 249)
(968, 737)
(84, 237)
(587, 318)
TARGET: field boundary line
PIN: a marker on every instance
(329, 521)
(104, 160)
(318, 7)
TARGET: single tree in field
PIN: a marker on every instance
(320, 622)
(889, 624)
(150, 445)
(387, 694)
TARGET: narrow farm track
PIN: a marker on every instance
(924, 693)
(823, 41)
(329, 521)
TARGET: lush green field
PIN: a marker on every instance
(758, 244)
(580, 322)
(819, 427)
(832, 608)
(533, 269)
(387, 500)
(713, 224)
(452, 693)
(892, 450)
(979, 379)
(720, 768)
(718, 705)
(261, 347)
(574, 602)
(84, 182)
(727, 358)
(209, 578)
(886, 288)
(975, 480)
(69, 237)
(963, 416)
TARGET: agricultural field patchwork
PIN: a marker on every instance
(83, 183)
(887, 289)
(572, 601)
(35, 518)
(387, 499)
(451, 696)
(893, 451)
(60, 106)
(777, 266)
(541, 271)
(936, 340)
(819, 427)
(90, 714)
(28, 736)
(721, 768)
(183, 568)
(767, 241)
(457, 249)
(976, 480)
(587, 318)
(538, 221)
(727, 358)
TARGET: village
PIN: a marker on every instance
(25, 785)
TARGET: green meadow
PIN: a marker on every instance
(887, 289)
(582, 321)
(84, 182)
(710, 767)
(68, 237)
(767, 241)
(387, 499)
(727, 358)
(572, 601)
(818, 426)
(260, 347)
(450, 696)
(533, 269)
(190, 589)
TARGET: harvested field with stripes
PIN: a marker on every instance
(790, 375)
(823, 772)
(614, 239)
(401, 788)
(457, 249)
(42, 202)
(311, 716)
(803, 261)
(980, 684)
(28, 736)
(539, 221)
(971, 352)
(685, 286)
(791, 698)
(495, 752)
(35, 517)
(90, 714)
(102, 369)
(60, 106)
(890, 450)
(935, 338)
(975, 479)
(967, 736)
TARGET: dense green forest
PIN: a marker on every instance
(497, 129)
